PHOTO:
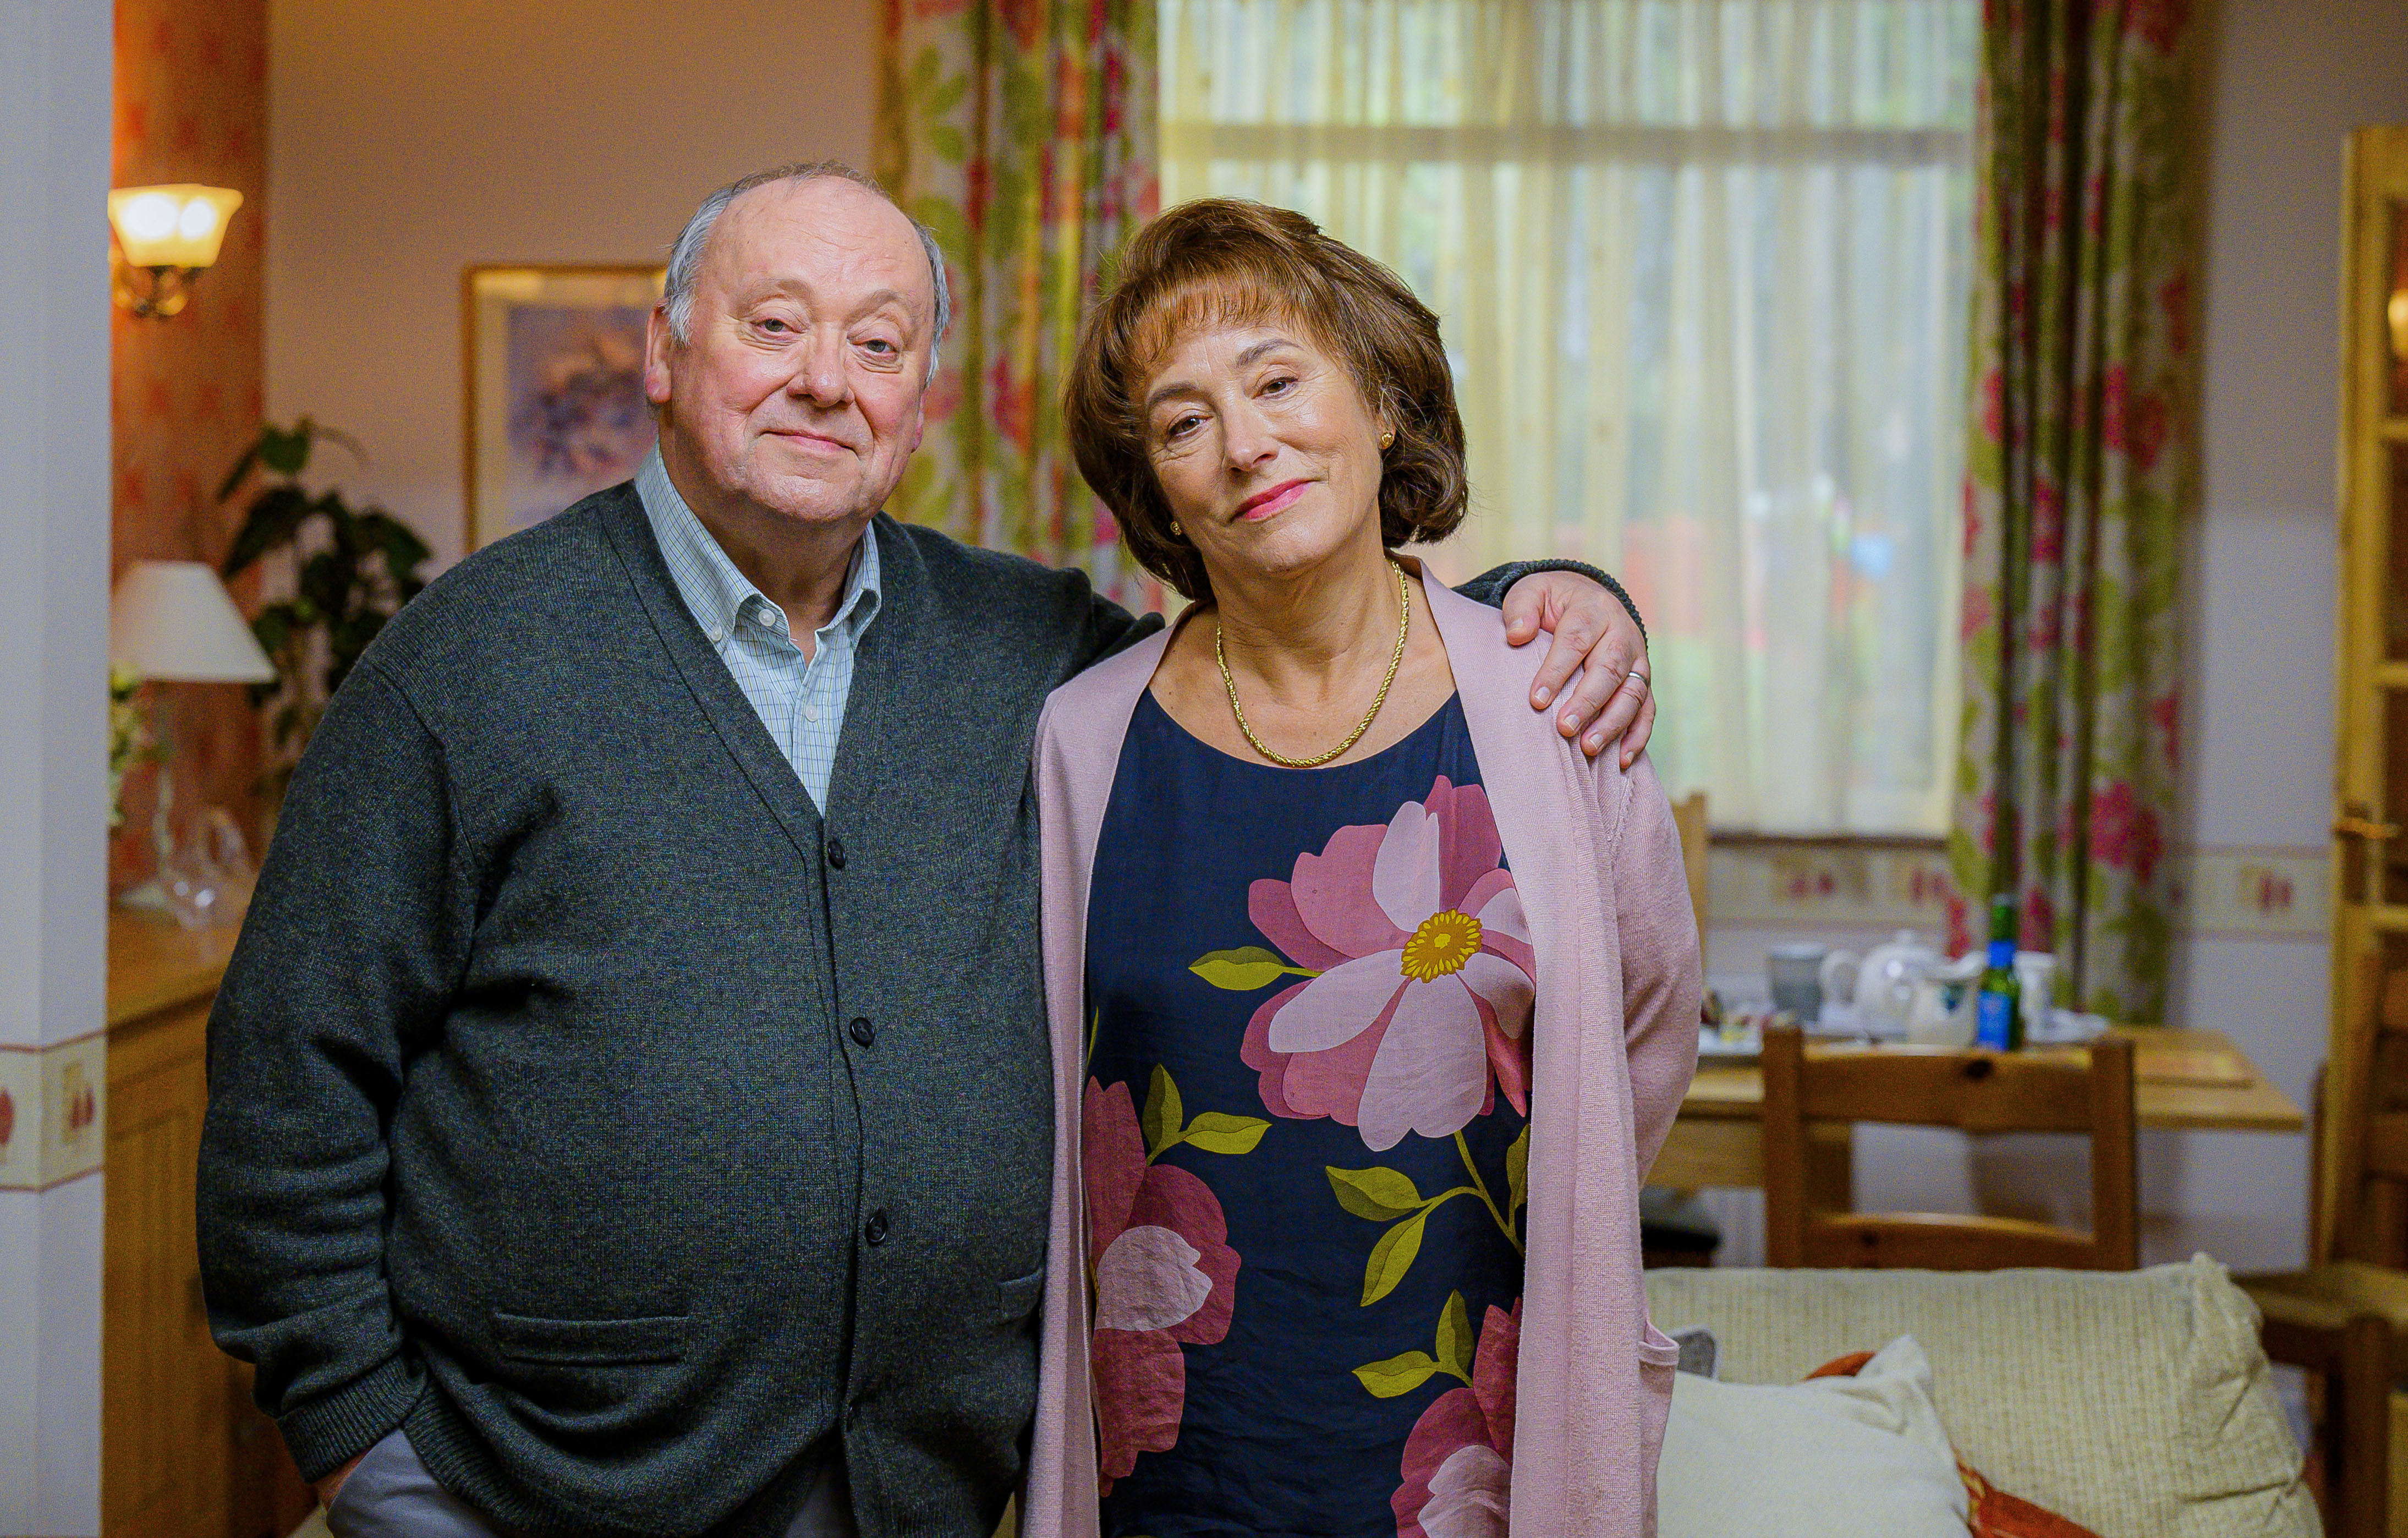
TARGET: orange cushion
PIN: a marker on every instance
(1992, 1512)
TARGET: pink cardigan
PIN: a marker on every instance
(1614, 1039)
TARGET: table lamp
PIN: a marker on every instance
(173, 622)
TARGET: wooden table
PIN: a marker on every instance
(2192, 1079)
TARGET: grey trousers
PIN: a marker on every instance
(391, 1495)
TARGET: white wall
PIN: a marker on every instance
(408, 141)
(54, 148)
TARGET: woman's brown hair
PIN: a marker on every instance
(1221, 260)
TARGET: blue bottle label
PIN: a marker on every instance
(1993, 1014)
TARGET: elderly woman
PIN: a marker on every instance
(1371, 997)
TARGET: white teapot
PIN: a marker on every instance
(1881, 984)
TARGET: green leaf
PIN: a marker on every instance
(234, 479)
(945, 97)
(1392, 1257)
(1397, 1375)
(1217, 1133)
(1380, 1193)
(952, 225)
(948, 143)
(274, 517)
(1518, 1171)
(1164, 1115)
(1244, 969)
(273, 628)
(285, 451)
(1455, 1336)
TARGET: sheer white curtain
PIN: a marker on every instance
(1701, 265)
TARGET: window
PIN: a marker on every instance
(1701, 266)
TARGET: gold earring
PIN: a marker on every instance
(1386, 439)
(1176, 532)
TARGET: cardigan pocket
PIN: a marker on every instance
(591, 1342)
(1016, 1299)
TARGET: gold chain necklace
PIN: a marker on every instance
(1404, 618)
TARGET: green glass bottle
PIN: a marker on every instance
(1997, 1007)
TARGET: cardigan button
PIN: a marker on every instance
(835, 852)
(876, 1230)
(862, 1031)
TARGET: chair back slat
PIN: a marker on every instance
(2364, 1146)
(2386, 1145)
(1943, 1241)
(1689, 817)
(1937, 1086)
(2087, 1091)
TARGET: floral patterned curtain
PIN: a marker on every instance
(1023, 133)
(2080, 464)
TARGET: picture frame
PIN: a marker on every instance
(552, 398)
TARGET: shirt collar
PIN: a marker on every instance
(713, 589)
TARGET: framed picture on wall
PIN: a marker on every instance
(553, 391)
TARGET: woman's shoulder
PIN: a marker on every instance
(1097, 701)
(1475, 637)
(1493, 680)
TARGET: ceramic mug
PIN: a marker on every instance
(2036, 979)
(1795, 973)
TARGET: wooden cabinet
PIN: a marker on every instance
(184, 1454)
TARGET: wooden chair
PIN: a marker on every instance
(1674, 1228)
(2044, 1091)
(2346, 1319)
(1689, 816)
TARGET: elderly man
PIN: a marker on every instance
(628, 1101)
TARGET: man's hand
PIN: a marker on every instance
(332, 1485)
(1592, 630)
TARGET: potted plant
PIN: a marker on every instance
(354, 569)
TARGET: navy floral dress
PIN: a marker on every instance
(1306, 1127)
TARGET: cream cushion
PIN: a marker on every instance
(1836, 1458)
(2136, 1404)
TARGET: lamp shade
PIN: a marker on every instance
(173, 621)
(180, 225)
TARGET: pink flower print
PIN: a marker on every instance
(2048, 522)
(1975, 614)
(1164, 1274)
(1458, 1464)
(2123, 831)
(1421, 1008)
(2160, 21)
(2038, 928)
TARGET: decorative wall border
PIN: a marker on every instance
(54, 1111)
(2255, 891)
(2247, 891)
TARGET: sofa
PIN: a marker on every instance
(2136, 1404)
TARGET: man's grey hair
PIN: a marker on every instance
(685, 252)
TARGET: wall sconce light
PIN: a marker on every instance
(2396, 313)
(165, 237)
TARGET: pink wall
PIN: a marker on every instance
(191, 105)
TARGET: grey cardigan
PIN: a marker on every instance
(585, 1104)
